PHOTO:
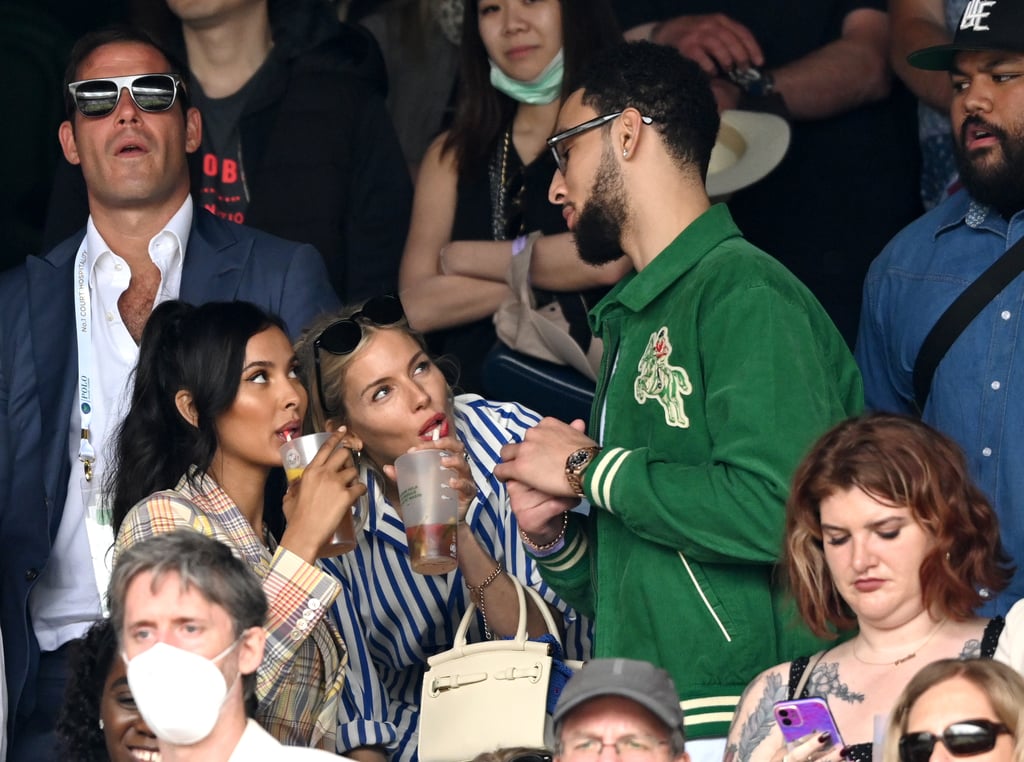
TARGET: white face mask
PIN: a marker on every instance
(179, 693)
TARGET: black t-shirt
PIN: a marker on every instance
(224, 190)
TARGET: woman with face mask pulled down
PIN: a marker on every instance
(482, 197)
(887, 540)
(368, 372)
(215, 396)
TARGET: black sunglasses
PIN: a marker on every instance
(961, 739)
(342, 336)
(530, 756)
(150, 92)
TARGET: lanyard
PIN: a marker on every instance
(83, 316)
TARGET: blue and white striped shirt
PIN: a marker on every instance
(392, 618)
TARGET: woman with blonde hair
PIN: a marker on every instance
(971, 707)
(890, 545)
(368, 371)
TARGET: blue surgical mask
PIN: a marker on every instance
(544, 89)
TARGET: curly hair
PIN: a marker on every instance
(903, 462)
(659, 83)
(78, 726)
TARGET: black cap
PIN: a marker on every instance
(639, 681)
(985, 25)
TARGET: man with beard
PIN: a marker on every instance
(720, 368)
(976, 391)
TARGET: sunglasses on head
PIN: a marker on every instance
(150, 92)
(342, 336)
(961, 739)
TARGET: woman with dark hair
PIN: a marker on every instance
(216, 394)
(482, 187)
(368, 372)
(971, 707)
(99, 720)
(887, 540)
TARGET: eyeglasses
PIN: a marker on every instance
(635, 748)
(342, 336)
(961, 739)
(150, 92)
(561, 157)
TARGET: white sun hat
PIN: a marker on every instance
(750, 144)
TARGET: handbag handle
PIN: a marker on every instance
(520, 637)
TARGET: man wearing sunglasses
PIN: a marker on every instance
(70, 325)
(720, 369)
(296, 139)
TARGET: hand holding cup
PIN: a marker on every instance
(321, 496)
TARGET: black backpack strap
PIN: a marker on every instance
(960, 314)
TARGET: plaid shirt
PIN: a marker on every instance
(300, 680)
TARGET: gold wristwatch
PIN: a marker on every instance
(576, 464)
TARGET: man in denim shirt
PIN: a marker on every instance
(977, 395)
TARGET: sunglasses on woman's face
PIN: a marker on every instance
(961, 739)
(531, 756)
(150, 92)
(342, 336)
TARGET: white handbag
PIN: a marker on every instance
(481, 697)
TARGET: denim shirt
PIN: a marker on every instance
(977, 395)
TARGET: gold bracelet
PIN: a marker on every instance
(548, 545)
(476, 594)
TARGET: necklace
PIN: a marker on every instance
(506, 202)
(908, 657)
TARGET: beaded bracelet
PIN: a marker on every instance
(548, 545)
(476, 593)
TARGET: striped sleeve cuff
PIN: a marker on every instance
(709, 717)
(599, 478)
(572, 552)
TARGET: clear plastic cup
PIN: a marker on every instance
(296, 455)
(430, 510)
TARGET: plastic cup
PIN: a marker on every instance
(430, 510)
(296, 455)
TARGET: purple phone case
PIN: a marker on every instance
(801, 717)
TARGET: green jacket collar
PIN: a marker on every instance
(637, 290)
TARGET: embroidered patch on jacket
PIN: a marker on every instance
(664, 383)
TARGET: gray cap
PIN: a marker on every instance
(639, 681)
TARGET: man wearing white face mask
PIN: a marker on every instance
(189, 620)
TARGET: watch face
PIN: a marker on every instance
(745, 77)
(578, 459)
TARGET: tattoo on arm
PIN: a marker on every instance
(971, 649)
(761, 720)
(825, 682)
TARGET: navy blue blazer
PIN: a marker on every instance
(38, 368)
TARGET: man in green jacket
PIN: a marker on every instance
(719, 371)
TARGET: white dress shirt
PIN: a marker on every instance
(66, 599)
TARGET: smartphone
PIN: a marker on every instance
(802, 717)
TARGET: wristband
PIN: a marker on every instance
(518, 245)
